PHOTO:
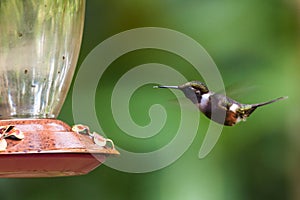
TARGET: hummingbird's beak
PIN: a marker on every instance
(164, 86)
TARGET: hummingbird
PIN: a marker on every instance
(215, 106)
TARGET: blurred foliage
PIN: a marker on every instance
(253, 42)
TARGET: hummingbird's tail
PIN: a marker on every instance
(248, 110)
(268, 102)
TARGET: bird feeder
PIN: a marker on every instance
(39, 47)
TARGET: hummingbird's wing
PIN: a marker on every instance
(221, 101)
(218, 107)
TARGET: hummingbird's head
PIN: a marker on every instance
(193, 90)
(196, 87)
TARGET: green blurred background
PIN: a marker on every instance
(255, 45)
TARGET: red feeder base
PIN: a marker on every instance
(49, 148)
